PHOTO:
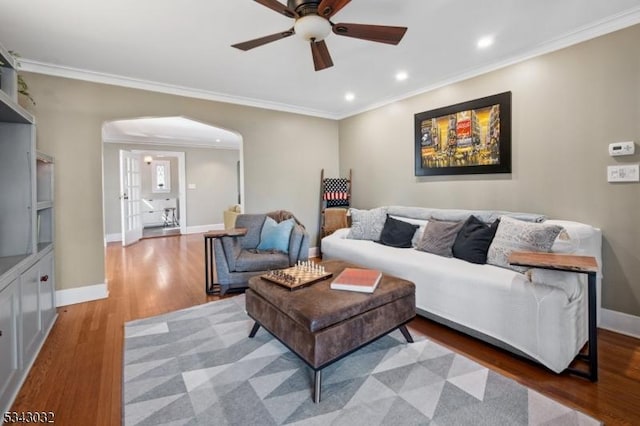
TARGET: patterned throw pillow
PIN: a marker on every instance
(516, 235)
(439, 236)
(367, 224)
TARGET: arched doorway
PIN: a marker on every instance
(209, 175)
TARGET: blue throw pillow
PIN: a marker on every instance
(275, 236)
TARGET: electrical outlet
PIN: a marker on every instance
(627, 173)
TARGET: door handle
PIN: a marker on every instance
(124, 197)
(44, 278)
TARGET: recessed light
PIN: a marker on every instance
(218, 140)
(401, 76)
(350, 96)
(485, 42)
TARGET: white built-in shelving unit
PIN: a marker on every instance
(27, 280)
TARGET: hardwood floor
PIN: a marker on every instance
(78, 374)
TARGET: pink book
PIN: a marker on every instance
(357, 279)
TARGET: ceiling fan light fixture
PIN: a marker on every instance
(312, 27)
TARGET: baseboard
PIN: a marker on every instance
(112, 238)
(88, 293)
(204, 228)
(620, 323)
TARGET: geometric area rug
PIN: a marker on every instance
(198, 367)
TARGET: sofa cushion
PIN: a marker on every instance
(397, 233)
(474, 239)
(275, 236)
(367, 224)
(516, 235)
(439, 236)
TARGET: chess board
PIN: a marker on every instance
(296, 277)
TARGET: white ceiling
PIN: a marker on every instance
(169, 131)
(183, 47)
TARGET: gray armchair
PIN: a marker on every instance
(237, 259)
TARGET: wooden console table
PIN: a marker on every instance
(571, 263)
(211, 285)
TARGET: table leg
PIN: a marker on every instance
(593, 328)
(405, 333)
(210, 272)
(254, 329)
(591, 358)
(317, 384)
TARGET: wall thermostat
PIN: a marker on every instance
(621, 148)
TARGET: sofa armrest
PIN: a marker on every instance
(228, 250)
(339, 233)
(571, 283)
(298, 245)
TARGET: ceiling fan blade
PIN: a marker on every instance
(321, 56)
(278, 7)
(379, 33)
(247, 45)
(328, 8)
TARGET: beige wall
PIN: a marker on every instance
(283, 156)
(567, 107)
(213, 171)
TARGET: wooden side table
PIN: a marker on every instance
(571, 263)
(211, 284)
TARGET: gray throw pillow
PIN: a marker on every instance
(516, 235)
(438, 237)
(367, 224)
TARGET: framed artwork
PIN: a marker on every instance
(467, 138)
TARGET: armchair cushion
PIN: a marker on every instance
(275, 236)
(252, 260)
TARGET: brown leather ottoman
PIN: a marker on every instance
(322, 325)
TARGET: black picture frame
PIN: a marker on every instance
(471, 137)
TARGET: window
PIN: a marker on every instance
(161, 176)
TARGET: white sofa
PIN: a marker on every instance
(540, 314)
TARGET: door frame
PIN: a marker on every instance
(182, 180)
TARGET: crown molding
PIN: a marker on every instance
(604, 26)
(153, 86)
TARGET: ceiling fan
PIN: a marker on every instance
(312, 22)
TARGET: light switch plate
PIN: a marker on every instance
(626, 173)
(191, 186)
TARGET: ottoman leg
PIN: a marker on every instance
(405, 333)
(317, 384)
(255, 329)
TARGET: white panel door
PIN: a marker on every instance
(130, 197)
